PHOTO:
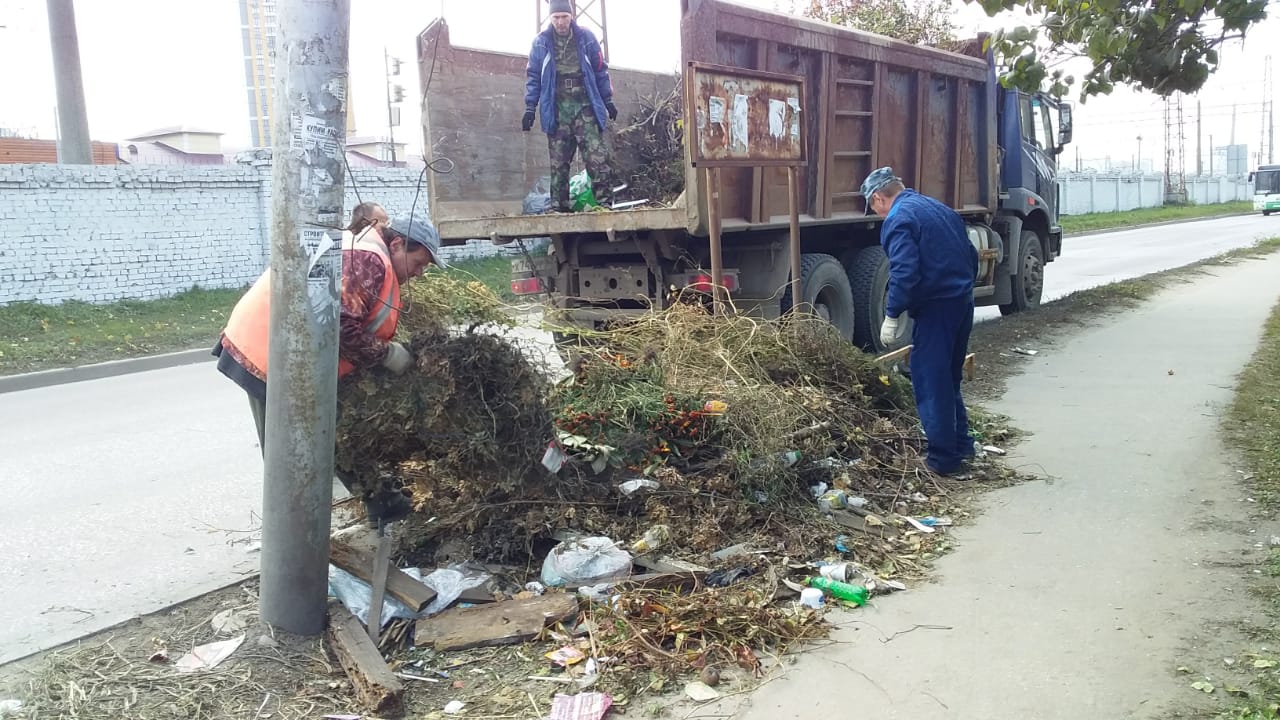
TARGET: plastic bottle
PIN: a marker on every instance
(855, 594)
(654, 538)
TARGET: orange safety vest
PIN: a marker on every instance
(248, 327)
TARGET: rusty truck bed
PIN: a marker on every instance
(869, 101)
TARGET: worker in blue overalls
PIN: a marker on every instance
(932, 265)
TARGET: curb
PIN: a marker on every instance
(98, 371)
(1184, 221)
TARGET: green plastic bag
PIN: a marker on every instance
(582, 197)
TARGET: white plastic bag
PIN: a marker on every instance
(585, 561)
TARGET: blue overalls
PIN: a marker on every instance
(932, 266)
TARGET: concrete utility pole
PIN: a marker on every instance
(306, 267)
(73, 121)
(1199, 136)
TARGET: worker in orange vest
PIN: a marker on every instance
(375, 262)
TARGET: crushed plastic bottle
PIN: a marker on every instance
(631, 487)
(654, 538)
(855, 594)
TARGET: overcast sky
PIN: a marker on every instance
(154, 63)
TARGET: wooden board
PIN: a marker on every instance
(399, 585)
(685, 581)
(667, 565)
(904, 355)
(378, 689)
(857, 522)
(504, 623)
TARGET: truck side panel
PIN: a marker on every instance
(871, 101)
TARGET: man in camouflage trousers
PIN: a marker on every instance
(569, 84)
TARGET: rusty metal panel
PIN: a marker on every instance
(744, 118)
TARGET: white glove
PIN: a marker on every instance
(889, 331)
(398, 359)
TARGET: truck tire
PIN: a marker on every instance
(1028, 284)
(826, 290)
(868, 272)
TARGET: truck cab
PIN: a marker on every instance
(1034, 129)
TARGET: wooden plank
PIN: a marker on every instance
(379, 690)
(665, 581)
(399, 585)
(666, 564)
(902, 354)
(970, 367)
(504, 623)
(857, 522)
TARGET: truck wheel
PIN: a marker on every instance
(826, 290)
(1265, 213)
(1028, 284)
(868, 272)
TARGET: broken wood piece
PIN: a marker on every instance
(667, 565)
(477, 596)
(903, 354)
(378, 689)
(685, 581)
(970, 367)
(857, 522)
(400, 586)
(504, 623)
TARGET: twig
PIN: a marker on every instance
(913, 629)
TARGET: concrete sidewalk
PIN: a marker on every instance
(1077, 597)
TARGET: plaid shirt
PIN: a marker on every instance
(362, 278)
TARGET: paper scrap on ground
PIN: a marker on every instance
(207, 657)
(585, 706)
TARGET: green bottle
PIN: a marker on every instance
(855, 594)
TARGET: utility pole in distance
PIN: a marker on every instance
(309, 130)
(395, 96)
(73, 121)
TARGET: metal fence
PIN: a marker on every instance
(1084, 193)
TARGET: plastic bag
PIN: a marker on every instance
(585, 561)
(581, 195)
(449, 583)
(356, 594)
(538, 201)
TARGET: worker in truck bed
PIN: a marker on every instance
(375, 262)
(932, 265)
(569, 84)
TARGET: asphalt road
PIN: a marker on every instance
(127, 494)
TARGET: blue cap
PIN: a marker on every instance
(418, 229)
(875, 182)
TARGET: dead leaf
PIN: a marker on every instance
(1204, 687)
(1263, 663)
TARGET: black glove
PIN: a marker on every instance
(527, 123)
(613, 110)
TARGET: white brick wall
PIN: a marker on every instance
(106, 233)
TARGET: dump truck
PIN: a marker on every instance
(939, 117)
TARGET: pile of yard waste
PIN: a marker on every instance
(672, 509)
(740, 455)
(650, 149)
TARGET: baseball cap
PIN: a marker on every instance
(874, 182)
(418, 229)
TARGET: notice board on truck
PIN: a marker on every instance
(745, 118)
